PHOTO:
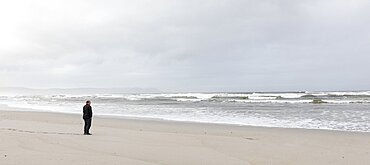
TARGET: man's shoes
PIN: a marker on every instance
(87, 134)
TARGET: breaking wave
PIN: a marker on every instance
(345, 111)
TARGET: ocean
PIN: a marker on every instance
(343, 111)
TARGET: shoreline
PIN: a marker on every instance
(15, 109)
(56, 138)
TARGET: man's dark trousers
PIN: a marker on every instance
(87, 126)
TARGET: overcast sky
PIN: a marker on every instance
(186, 45)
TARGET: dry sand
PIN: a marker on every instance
(33, 138)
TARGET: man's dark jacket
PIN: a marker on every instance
(87, 112)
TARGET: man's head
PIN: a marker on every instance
(88, 102)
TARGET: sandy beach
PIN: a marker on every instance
(37, 138)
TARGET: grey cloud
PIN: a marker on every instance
(186, 45)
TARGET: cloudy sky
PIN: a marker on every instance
(186, 45)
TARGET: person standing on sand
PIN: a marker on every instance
(87, 116)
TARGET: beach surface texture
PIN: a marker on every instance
(36, 138)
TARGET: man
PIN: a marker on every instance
(87, 116)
